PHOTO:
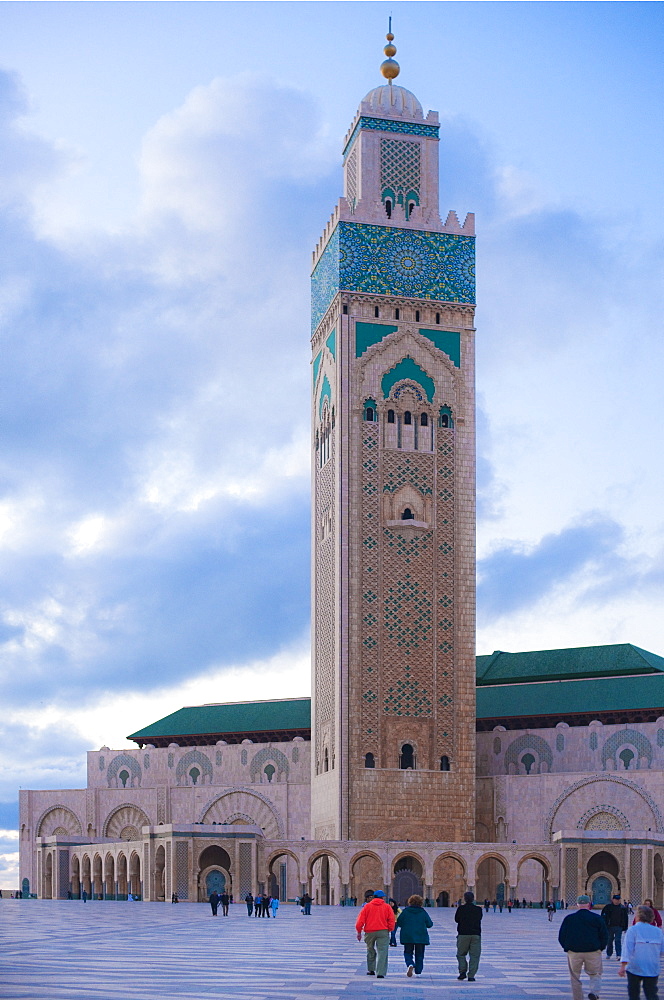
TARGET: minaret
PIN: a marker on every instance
(393, 480)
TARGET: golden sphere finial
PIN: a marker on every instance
(390, 68)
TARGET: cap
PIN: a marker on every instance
(379, 892)
(583, 900)
(616, 895)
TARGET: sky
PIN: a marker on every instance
(165, 171)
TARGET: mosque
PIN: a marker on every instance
(416, 765)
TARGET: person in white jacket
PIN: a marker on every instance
(642, 949)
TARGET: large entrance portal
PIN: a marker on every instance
(601, 891)
(215, 881)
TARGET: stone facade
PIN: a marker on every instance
(393, 486)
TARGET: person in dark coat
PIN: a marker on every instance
(583, 936)
(224, 899)
(214, 902)
(249, 900)
(306, 904)
(468, 918)
(413, 923)
(616, 918)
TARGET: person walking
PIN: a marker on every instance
(306, 904)
(413, 923)
(224, 899)
(249, 900)
(641, 957)
(509, 906)
(396, 911)
(214, 902)
(583, 936)
(265, 906)
(258, 902)
(468, 919)
(616, 919)
(274, 906)
(550, 909)
(376, 919)
(658, 918)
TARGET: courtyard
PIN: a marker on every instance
(57, 949)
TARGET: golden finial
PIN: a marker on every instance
(390, 68)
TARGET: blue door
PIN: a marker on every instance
(601, 891)
(215, 882)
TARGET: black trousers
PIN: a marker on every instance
(649, 987)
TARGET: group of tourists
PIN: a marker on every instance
(380, 920)
(216, 899)
(584, 935)
(261, 905)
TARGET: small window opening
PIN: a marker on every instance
(626, 757)
(444, 763)
(528, 760)
(326, 761)
(407, 758)
(396, 314)
(376, 312)
(194, 774)
(407, 417)
(417, 315)
(345, 310)
(388, 208)
(390, 416)
(369, 760)
(269, 771)
(424, 420)
(369, 414)
(444, 420)
(408, 515)
(124, 778)
(411, 206)
(438, 318)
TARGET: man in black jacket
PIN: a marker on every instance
(583, 935)
(615, 917)
(468, 917)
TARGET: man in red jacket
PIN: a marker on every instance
(376, 919)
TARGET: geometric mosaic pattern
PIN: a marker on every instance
(381, 260)
(400, 169)
(385, 125)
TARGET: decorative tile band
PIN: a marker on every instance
(382, 260)
(389, 125)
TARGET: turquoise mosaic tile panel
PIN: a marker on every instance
(331, 344)
(388, 125)
(317, 365)
(368, 334)
(408, 369)
(446, 341)
(381, 260)
(325, 280)
(326, 390)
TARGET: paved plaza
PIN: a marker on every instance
(146, 951)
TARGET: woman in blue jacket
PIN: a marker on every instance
(413, 922)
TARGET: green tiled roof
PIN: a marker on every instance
(566, 664)
(570, 697)
(235, 717)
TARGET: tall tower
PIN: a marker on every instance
(393, 448)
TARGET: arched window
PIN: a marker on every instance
(444, 763)
(444, 420)
(369, 760)
(388, 208)
(407, 417)
(390, 416)
(407, 758)
(124, 778)
(369, 414)
(269, 771)
(326, 760)
(194, 774)
(408, 515)
(424, 420)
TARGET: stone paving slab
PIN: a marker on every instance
(60, 950)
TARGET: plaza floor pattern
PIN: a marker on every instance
(58, 950)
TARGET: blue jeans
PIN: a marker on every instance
(418, 959)
(615, 937)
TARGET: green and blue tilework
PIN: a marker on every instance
(387, 261)
(331, 344)
(368, 334)
(326, 391)
(388, 125)
(407, 369)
